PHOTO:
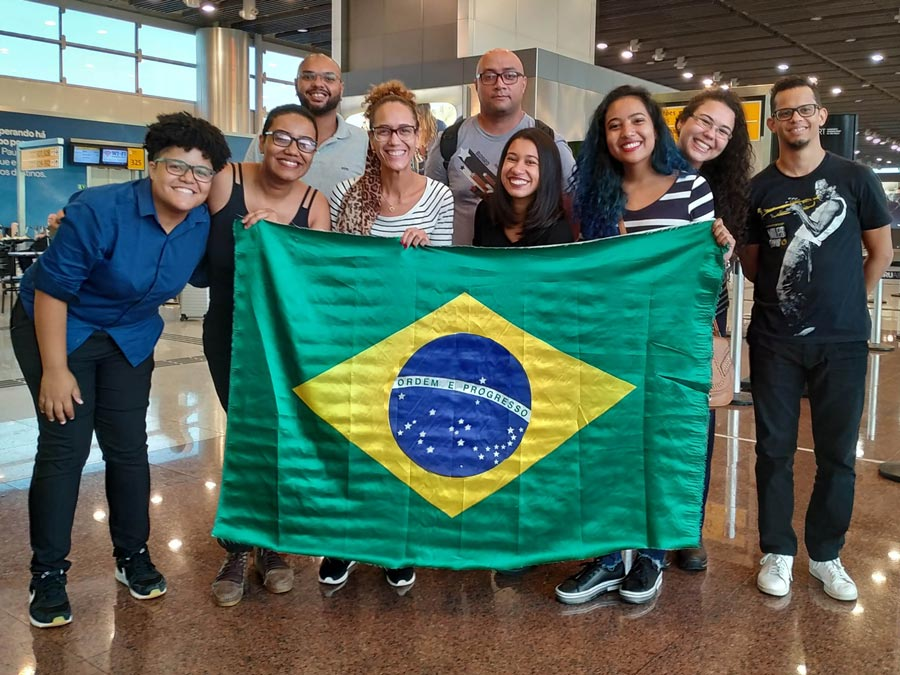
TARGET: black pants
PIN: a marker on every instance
(835, 375)
(116, 396)
(217, 328)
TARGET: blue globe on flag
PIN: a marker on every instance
(460, 405)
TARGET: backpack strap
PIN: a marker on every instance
(450, 138)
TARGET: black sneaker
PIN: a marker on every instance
(643, 581)
(142, 578)
(400, 577)
(49, 606)
(334, 571)
(591, 581)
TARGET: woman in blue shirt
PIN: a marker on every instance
(83, 331)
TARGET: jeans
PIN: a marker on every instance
(835, 376)
(116, 396)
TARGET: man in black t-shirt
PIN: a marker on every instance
(809, 327)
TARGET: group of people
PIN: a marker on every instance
(86, 321)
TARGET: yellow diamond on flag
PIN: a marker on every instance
(461, 402)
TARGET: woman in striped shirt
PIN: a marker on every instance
(390, 199)
(630, 177)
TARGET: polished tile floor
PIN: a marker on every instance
(450, 622)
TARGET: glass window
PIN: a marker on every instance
(30, 18)
(98, 31)
(276, 94)
(167, 80)
(252, 57)
(90, 68)
(279, 66)
(26, 58)
(168, 44)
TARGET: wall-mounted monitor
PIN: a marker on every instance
(114, 156)
(85, 154)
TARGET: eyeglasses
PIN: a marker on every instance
(784, 114)
(405, 132)
(283, 140)
(508, 76)
(202, 174)
(706, 124)
(312, 76)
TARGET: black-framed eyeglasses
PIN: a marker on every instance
(202, 174)
(508, 76)
(283, 140)
(312, 76)
(807, 110)
(405, 132)
(707, 124)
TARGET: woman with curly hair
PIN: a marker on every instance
(83, 331)
(390, 200)
(630, 177)
(713, 136)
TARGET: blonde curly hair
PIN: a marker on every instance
(392, 90)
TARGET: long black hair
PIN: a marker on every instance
(728, 174)
(599, 198)
(546, 207)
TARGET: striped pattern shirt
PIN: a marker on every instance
(433, 213)
(688, 200)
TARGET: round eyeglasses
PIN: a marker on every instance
(707, 124)
(283, 140)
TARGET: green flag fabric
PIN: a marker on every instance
(467, 407)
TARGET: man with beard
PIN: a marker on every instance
(809, 211)
(341, 153)
(471, 171)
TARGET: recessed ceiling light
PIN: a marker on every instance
(869, 137)
(724, 87)
(877, 58)
(602, 45)
(687, 74)
(866, 85)
(859, 100)
(782, 67)
(626, 54)
(856, 152)
(880, 580)
(707, 82)
(876, 140)
(815, 18)
(889, 162)
(836, 90)
(812, 79)
(303, 30)
(208, 7)
(850, 40)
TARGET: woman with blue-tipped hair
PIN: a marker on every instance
(630, 177)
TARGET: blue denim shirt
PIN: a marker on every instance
(114, 265)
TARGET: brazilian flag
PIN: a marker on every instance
(465, 407)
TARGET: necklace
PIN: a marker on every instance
(391, 207)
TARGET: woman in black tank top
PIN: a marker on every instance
(272, 191)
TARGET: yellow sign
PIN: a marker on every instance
(35, 159)
(136, 159)
(752, 111)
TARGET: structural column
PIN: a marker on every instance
(223, 79)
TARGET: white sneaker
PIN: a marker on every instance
(838, 583)
(775, 576)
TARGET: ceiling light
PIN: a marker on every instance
(602, 45)
(626, 54)
(687, 74)
(878, 577)
(857, 100)
(812, 79)
(208, 7)
(707, 82)
(895, 147)
(782, 67)
(865, 85)
(850, 40)
(303, 30)
(877, 58)
(876, 140)
(889, 162)
(836, 90)
(724, 87)
(856, 152)
(815, 18)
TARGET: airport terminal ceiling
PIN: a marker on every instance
(852, 47)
